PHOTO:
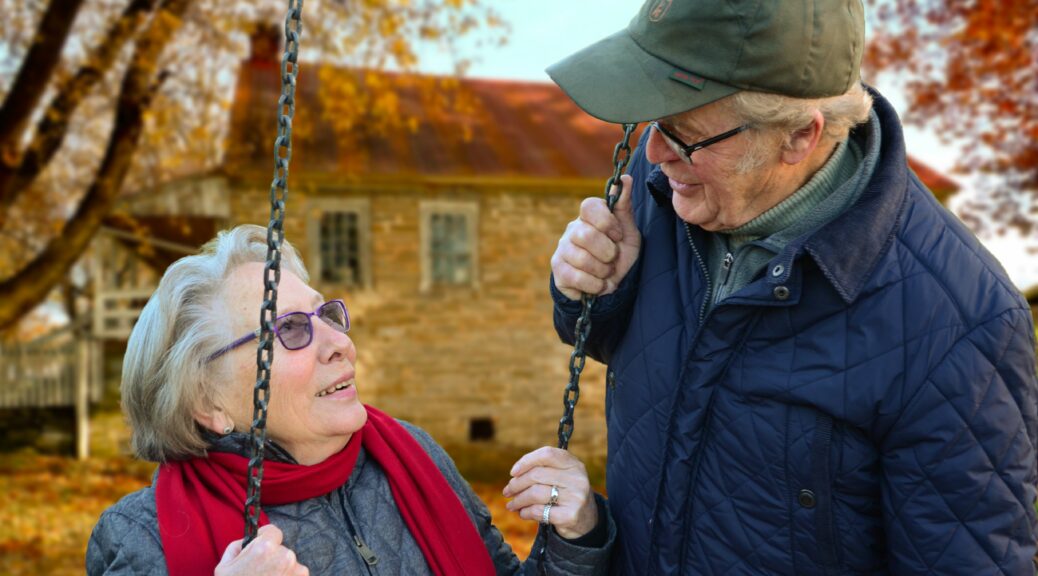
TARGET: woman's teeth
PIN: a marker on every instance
(331, 389)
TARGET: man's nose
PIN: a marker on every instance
(656, 150)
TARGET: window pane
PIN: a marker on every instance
(450, 251)
(340, 248)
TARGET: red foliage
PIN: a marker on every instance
(972, 71)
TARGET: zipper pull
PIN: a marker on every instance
(367, 553)
(728, 260)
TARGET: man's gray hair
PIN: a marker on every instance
(774, 115)
(166, 376)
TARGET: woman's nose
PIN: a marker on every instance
(335, 344)
(657, 151)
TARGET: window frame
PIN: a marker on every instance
(316, 209)
(467, 209)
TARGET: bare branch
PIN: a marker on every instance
(53, 126)
(28, 288)
(31, 81)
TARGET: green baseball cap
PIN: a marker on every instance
(677, 55)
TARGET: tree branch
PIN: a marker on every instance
(32, 78)
(53, 126)
(31, 285)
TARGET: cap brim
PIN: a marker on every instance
(617, 81)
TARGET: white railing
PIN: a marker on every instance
(42, 373)
(116, 311)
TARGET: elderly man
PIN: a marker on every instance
(813, 367)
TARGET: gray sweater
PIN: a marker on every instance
(320, 530)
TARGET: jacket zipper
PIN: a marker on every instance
(369, 556)
(706, 274)
(726, 269)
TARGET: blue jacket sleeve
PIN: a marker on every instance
(609, 316)
(959, 464)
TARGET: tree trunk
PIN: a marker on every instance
(33, 76)
(30, 286)
(53, 125)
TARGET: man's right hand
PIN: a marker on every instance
(598, 248)
(264, 555)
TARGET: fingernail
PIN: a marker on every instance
(513, 470)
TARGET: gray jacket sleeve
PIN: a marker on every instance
(561, 557)
(125, 540)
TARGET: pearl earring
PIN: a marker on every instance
(228, 429)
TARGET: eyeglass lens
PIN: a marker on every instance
(295, 329)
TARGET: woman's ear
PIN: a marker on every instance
(215, 420)
(804, 141)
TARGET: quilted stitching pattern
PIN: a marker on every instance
(925, 365)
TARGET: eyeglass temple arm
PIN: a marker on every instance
(233, 345)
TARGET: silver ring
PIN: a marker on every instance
(554, 499)
(546, 514)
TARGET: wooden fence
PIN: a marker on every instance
(58, 370)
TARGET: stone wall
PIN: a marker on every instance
(449, 356)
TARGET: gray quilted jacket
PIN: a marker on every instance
(321, 530)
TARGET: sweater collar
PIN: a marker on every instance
(867, 227)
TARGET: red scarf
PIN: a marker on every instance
(200, 500)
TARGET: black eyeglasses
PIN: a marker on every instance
(684, 151)
(295, 330)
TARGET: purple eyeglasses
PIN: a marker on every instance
(295, 330)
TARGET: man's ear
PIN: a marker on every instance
(804, 141)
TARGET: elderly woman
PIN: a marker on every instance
(346, 489)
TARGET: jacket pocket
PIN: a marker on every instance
(822, 482)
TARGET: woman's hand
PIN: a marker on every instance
(574, 513)
(264, 555)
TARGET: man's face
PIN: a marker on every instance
(711, 192)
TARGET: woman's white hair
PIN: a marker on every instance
(166, 377)
(774, 118)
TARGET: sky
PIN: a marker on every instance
(545, 31)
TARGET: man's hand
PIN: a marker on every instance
(598, 248)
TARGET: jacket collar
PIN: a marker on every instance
(867, 227)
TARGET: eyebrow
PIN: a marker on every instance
(690, 133)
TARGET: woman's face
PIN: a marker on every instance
(306, 414)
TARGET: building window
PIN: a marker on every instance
(339, 242)
(340, 248)
(449, 243)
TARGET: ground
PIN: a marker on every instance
(50, 503)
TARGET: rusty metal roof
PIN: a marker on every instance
(513, 129)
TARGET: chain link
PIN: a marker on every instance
(272, 269)
(621, 156)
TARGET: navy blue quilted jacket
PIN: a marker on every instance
(867, 406)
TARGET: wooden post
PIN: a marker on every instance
(83, 353)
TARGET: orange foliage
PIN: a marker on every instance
(972, 71)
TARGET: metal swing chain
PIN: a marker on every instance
(272, 269)
(621, 156)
